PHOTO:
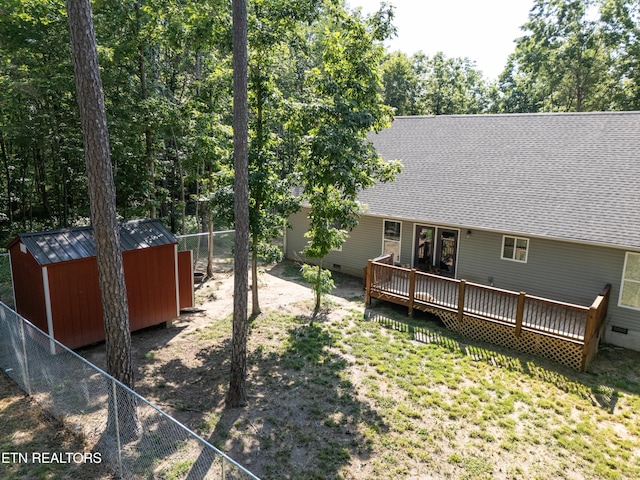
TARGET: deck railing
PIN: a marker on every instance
(517, 310)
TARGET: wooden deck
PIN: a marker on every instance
(564, 332)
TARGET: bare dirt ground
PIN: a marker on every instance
(25, 428)
(184, 369)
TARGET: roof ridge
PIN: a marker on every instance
(523, 114)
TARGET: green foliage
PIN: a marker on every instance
(340, 103)
(319, 82)
(575, 55)
(420, 85)
(403, 84)
(345, 105)
(453, 86)
(621, 32)
(320, 280)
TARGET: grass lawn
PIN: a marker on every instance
(383, 396)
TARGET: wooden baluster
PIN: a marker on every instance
(520, 313)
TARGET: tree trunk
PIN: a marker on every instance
(210, 245)
(148, 134)
(7, 173)
(237, 395)
(316, 309)
(101, 190)
(255, 299)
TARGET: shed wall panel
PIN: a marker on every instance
(185, 278)
(151, 285)
(28, 287)
(76, 304)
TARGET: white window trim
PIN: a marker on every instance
(384, 221)
(623, 280)
(515, 238)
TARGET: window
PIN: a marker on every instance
(391, 239)
(630, 288)
(515, 248)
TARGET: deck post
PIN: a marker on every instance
(589, 330)
(595, 325)
(412, 290)
(461, 289)
(520, 313)
(367, 283)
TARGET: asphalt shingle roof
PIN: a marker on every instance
(569, 176)
(76, 243)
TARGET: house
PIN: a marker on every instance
(55, 278)
(547, 204)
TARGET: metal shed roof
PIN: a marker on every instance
(77, 243)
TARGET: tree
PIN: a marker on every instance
(420, 85)
(345, 104)
(515, 91)
(237, 395)
(273, 41)
(403, 84)
(453, 86)
(101, 190)
(621, 31)
(40, 150)
(564, 54)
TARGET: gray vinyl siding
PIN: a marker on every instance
(364, 243)
(564, 271)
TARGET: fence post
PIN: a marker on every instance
(117, 423)
(27, 380)
(412, 290)
(461, 289)
(367, 282)
(520, 313)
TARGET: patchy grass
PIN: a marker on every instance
(361, 397)
(370, 394)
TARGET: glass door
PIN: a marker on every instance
(446, 252)
(424, 243)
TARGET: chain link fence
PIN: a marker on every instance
(221, 250)
(6, 280)
(126, 433)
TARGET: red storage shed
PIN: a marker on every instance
(55, 280)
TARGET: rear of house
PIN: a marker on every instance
(541, 203)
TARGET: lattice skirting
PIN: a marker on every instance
(562, 351)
